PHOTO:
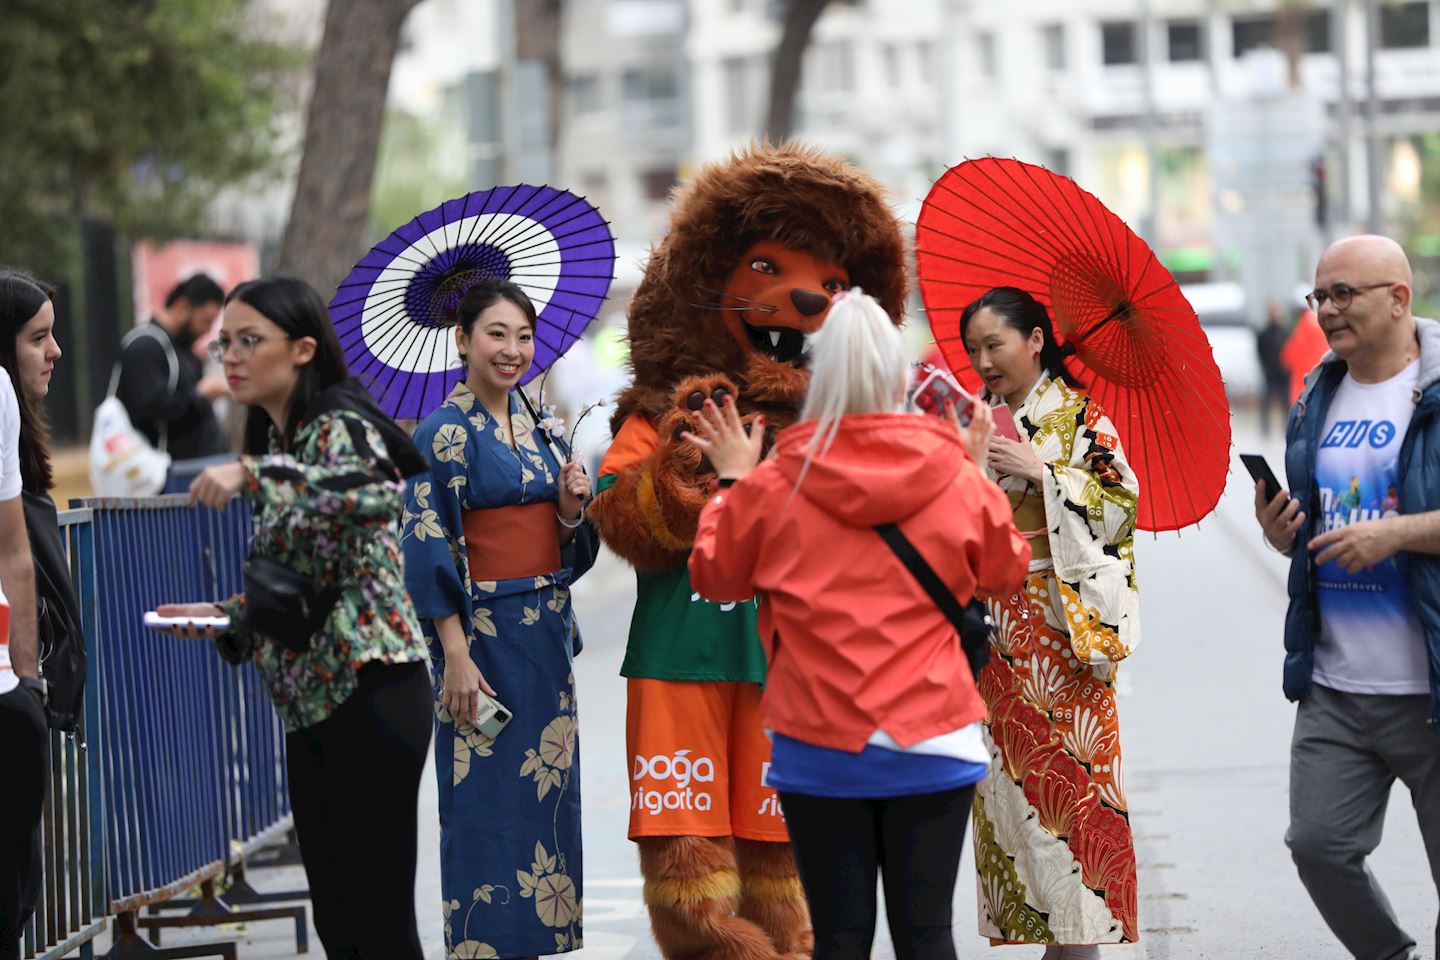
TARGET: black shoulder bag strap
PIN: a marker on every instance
(971, 622)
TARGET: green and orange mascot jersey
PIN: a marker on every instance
(757, 245)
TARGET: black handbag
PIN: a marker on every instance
(972, 621)
(288, 607)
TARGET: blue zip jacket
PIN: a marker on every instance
(1419, 493)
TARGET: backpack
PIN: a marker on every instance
(57, 615)
(122, 461)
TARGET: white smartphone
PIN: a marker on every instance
(154, 621)
(492, 716)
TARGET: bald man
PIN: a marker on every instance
(1361, 523)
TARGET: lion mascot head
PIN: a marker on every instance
(756, 248)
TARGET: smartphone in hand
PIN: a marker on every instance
(492, 716)
(939, 388)
(1261, 473)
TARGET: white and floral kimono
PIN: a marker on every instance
(1053, 846)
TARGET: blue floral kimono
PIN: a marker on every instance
(510, 859)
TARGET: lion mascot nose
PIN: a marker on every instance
(809, 302)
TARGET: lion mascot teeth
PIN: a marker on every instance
(756, 248)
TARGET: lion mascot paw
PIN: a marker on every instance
(757, 248)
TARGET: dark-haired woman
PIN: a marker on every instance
(1064, 878)
(324, 471)
(28, 352)
(27, 357)
(493, 538)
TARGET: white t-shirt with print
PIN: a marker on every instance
(1371, 640)
(9, 490)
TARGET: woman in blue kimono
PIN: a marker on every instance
(493, 537)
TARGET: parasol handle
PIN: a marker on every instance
(535, 418)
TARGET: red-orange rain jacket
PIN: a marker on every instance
(854, 643)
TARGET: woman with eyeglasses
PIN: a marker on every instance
(324, 471)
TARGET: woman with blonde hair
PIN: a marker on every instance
(870, 699)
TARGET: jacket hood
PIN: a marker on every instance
(881, 467)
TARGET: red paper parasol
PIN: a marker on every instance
(1140, 350)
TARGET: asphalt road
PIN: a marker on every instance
(1206, 734)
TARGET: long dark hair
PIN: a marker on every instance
(294, 307)
(21, 297)
(1024, 313)
(485, 295)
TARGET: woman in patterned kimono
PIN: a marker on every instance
(1053, 846)
(493, 537)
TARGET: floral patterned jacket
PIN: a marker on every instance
(1090, 494)
(328, 511)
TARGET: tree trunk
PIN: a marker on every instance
(800, 18)
(326, 231)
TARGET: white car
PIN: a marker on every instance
(1226, 322)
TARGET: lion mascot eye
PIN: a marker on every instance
(761, 265)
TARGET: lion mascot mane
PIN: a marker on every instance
(756, 248)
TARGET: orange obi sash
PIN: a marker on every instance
(507, 543)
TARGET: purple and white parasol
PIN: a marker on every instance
(395, 312)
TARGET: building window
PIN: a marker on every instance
(1118, 43)
(1186, 41)
(1052, 35)
(985, 54)
(890, 56)
(1404, 25)
(925, 59)
(1317, 31)
(584, 94)
(649, 99)
(1252, 32)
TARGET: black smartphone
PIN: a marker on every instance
(1260, 471)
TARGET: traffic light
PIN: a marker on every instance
(1321, 194)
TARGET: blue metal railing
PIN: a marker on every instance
(180, 754)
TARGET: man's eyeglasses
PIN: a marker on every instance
(242, 346)
(1341, 294)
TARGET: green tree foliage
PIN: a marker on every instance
(128, 111)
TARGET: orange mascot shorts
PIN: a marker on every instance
(698, 762)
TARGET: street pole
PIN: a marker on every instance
(1152, 150)
(1373, 218)
(1345, 113)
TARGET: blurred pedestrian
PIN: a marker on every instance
(1361, 523)
(325, 616)
(162, 382)
(869, 697)
(1270, 346)
(28, 353)
(1303, 351)
(1052, 827)
(23, 742)
(494, 536)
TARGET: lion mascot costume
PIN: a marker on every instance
(756, 248)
